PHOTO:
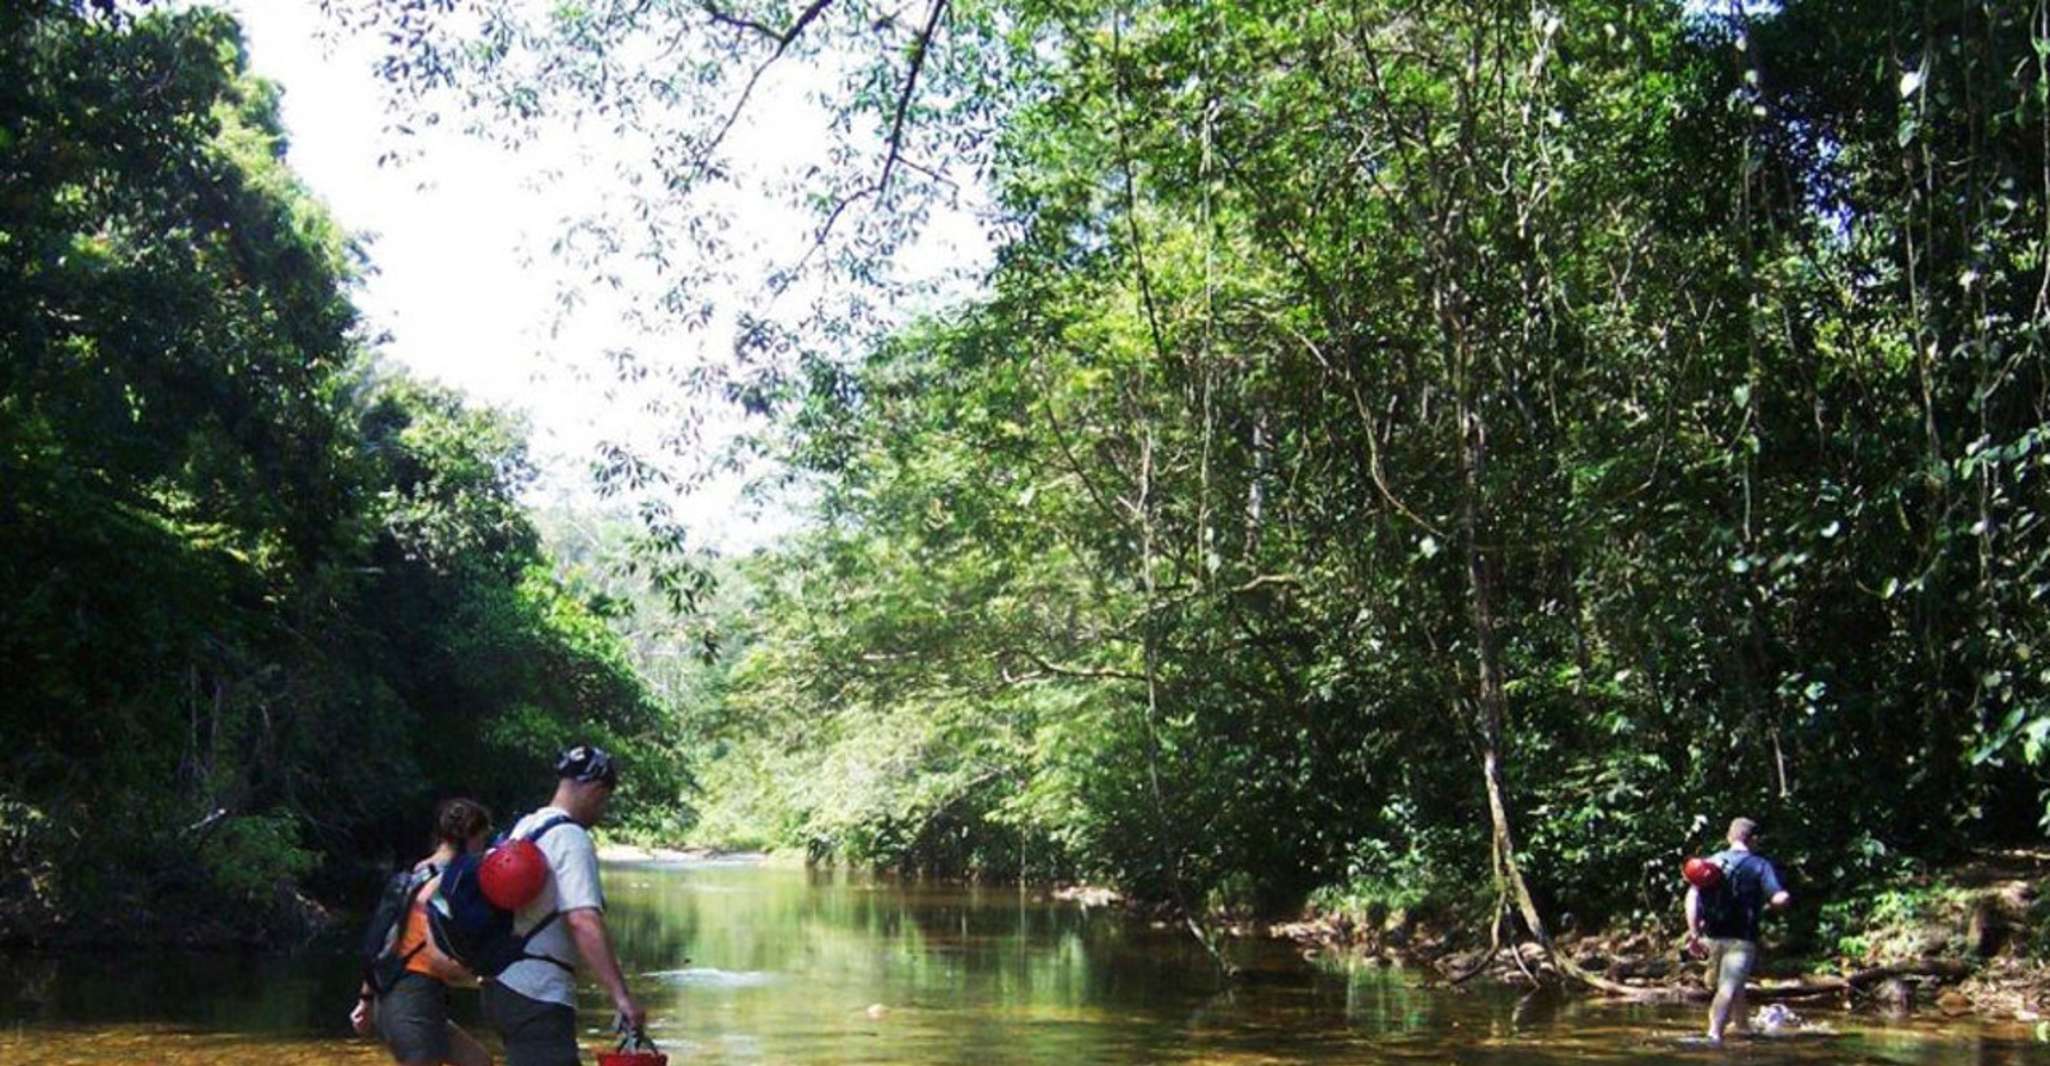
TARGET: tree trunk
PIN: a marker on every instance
(1491, 703)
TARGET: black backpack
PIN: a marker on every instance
(1725, 910)
(382, 963)
(474, 931)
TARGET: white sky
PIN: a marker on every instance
(465, 302)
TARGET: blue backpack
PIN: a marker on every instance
(1729, 909)
(476, 932)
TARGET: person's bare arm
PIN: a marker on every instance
(1779, 899)
(363, 1017)
(1693, 911)
(594, 944)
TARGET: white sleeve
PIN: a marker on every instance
(576, 869)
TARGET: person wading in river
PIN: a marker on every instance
(533, 1002)
(1722, 922)
(411, 1015)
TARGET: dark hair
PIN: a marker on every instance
(459, 819)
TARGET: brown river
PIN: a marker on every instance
(747, 963)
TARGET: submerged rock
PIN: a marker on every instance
(1894, 996)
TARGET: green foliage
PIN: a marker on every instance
(1912, 915)
(267, 600)
(1397, 438)
(1383, 879)
(251, 857)
(1657, 415)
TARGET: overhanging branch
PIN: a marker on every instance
(920, 48)
(783, 42)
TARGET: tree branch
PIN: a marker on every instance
(738, 22)
(783, 42)
(1052, 667)
(920, 48)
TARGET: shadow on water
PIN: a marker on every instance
(775, 965)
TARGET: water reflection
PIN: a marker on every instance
(753, 964)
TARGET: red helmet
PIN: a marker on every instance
(1702, 873)
(512, 874)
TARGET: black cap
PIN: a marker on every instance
(588, 762)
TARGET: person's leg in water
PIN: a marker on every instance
(1712, 977)
(1739, 1018)
(464, 1050)
(1729, 966)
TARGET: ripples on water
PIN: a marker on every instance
(706, 977)
(760, 964)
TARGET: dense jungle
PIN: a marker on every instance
(1409, 462)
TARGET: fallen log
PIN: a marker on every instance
(1856, 981)
(1941, 969)
(1849, 984)
(1819, 988)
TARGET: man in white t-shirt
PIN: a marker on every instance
(533, 1002)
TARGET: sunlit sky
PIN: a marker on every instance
(457, 284)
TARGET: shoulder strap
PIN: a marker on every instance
(541, 830)
(415, 889)
(541, 956)
(417, 881)
(535, 834)
(528, 937)
(1741, 895)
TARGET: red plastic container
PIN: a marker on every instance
(632, 1058)
(635, 1049)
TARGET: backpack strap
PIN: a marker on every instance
(529, 935)
(539, 831)
(416, 884)
(1730, 875)
(417, 949)
(422, 877)
(535, 834)
(1734, 906)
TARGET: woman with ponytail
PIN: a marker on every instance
(411, 1015)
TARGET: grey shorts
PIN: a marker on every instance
(536, 1033)
(1729, 964)
(412, 1019)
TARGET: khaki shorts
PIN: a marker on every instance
(1729, 964)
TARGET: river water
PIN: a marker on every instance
(750, 963)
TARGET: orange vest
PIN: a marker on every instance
(416, 944)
